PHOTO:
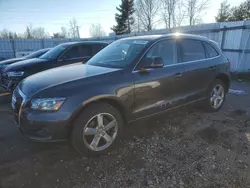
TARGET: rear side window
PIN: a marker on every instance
(210, 50)
(191, 50)
(78, 51)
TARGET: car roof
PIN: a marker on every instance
(84, 42)
(171, 35)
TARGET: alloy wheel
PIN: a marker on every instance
(100, 131)
(217, 96)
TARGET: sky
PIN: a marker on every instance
(15, 15)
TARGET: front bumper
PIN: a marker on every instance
(41, 128)
(37, 125)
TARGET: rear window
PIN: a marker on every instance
(210, 50)
(191, 50)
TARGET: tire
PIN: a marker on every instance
(88, 136)
(208, 105)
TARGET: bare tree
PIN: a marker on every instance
(74, 29)
(137, 26)
(194, 10)
(64, 32)
(4, 33)
(168, 12)
(39, 33)
(179, 14)
(147, 12)
(96, 30)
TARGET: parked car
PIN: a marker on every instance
(61, 55)
(35, 54)
(131, 79)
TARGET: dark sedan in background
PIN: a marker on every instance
(35, 54)
(61, 55)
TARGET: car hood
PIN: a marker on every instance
(10, 61)
(55, 77)
(22, 65)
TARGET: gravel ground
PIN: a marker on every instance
(184, 148)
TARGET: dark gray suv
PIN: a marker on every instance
(131, 79)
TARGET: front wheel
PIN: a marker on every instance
(97, 129)
(216, 96)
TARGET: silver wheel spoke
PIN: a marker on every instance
(215, 102)
(110, 125)
(107, 138)
(219, 90)
(220, 98)
(100, 119)
(90, 131)
(95, 141)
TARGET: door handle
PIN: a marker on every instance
(212, 68)
(177, 75)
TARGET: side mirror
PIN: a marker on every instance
(152, 62)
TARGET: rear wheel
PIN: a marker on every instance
(97, 129)
(215, 96)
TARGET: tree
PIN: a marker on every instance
(194, 9)
(125, 18)
(96, 30)
(169, 7)
(179, 14)
(15, 35)
(4, 33)
(242, 12)
(224, 12)
(39, 33)
(64, 32)
(74, 29)
(147, 12)
(28, 34)
(58, 36)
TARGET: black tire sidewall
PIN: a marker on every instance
(76, 136)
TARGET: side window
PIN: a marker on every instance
(96, 48)
(165, 50)
(191, 50)
(77, 52)
(210, 50)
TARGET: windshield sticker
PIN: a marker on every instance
(140, 42)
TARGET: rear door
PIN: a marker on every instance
(199, 67)
(158, 89)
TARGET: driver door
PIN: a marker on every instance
(158, 89)
(77, 54)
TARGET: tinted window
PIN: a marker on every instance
(55, 52)
(96, 48)
(191, 50)
(210, 50)
(77, 51)
(165, 50)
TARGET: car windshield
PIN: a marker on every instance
(119, 54)
(36, 54)
(54, 52)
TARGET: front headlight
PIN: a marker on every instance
(49, 104)
(15, 74)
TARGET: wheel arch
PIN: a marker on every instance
(225, 79)
(114, 101)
